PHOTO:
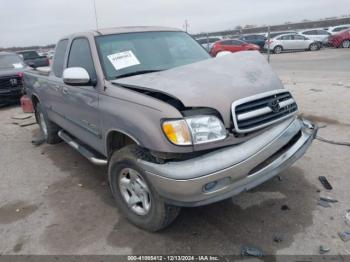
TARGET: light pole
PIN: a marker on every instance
(96, 18)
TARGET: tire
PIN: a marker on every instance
(151, 213)
(47, 127)
(345, 44)
(278, 49)
(314, 47)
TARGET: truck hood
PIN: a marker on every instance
(10, 71)
(214, 83)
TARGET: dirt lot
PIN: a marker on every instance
(53, 201)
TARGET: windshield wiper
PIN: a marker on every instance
(137, 73)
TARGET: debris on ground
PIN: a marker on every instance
(345, 236)
(316, 90)
(22, 116)
(24, 122)
(80, 185)
(328, 199)
(277, 238)
(285, 207)
(251, 251)
(17, 210)
(324, 249)
(325, 182)
(323, 203)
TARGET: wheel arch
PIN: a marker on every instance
(117, 139)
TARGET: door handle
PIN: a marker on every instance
(65, 90)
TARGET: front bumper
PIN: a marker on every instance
(229, 171)
(10, 96)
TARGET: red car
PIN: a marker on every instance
(232, 45)
(341, 39)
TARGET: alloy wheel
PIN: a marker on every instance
(135, 191)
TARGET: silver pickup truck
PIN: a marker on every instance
(175, 126)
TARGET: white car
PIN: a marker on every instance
(318, 35)
(291, 42)
(336, 29)
(208, 42)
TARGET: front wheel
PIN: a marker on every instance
(314, 47)
(346, 44)
(135, 196)
(278, 49)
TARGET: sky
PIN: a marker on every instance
(41, 22)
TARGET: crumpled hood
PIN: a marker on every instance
(214, 83)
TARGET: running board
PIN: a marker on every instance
(81, 149)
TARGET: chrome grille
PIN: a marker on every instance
(8, 82)
(261, 110)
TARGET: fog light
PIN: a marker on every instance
(210, 186)
(217, 185)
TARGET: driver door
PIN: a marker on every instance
(81, 101)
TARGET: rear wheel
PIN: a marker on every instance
(314, 47)
(346, 44)
(278, 49)
(134, 194)
(48, 128)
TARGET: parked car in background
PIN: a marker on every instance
(319, 35)
(291, 42)
(254, 39)
(208, 42)
(153, 105)
(33, 59)
(341, 39)
(274, 34)
(336, 29)
(11, 74)
(232, 45)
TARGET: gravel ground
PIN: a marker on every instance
(53, 201)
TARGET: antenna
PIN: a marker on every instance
(96, 18)
(186, 25)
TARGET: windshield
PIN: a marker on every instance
(133, 53)
(10, 61)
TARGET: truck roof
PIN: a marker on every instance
(126, 29)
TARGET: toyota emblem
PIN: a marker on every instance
(275, 106)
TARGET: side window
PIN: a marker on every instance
(80, 56)
(323, 32)
(226, 42)
(338, 29)
(285, 37)
(308, 33)
(249, 38)
(58, 60)
(236, 42)
(298, 37)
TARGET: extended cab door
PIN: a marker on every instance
(81, 101)
(52, 94)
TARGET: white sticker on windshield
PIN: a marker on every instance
(17, 65)
(123, 60)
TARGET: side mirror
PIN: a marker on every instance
(75, 76)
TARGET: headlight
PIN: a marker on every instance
(194, 130)
(177, 132)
